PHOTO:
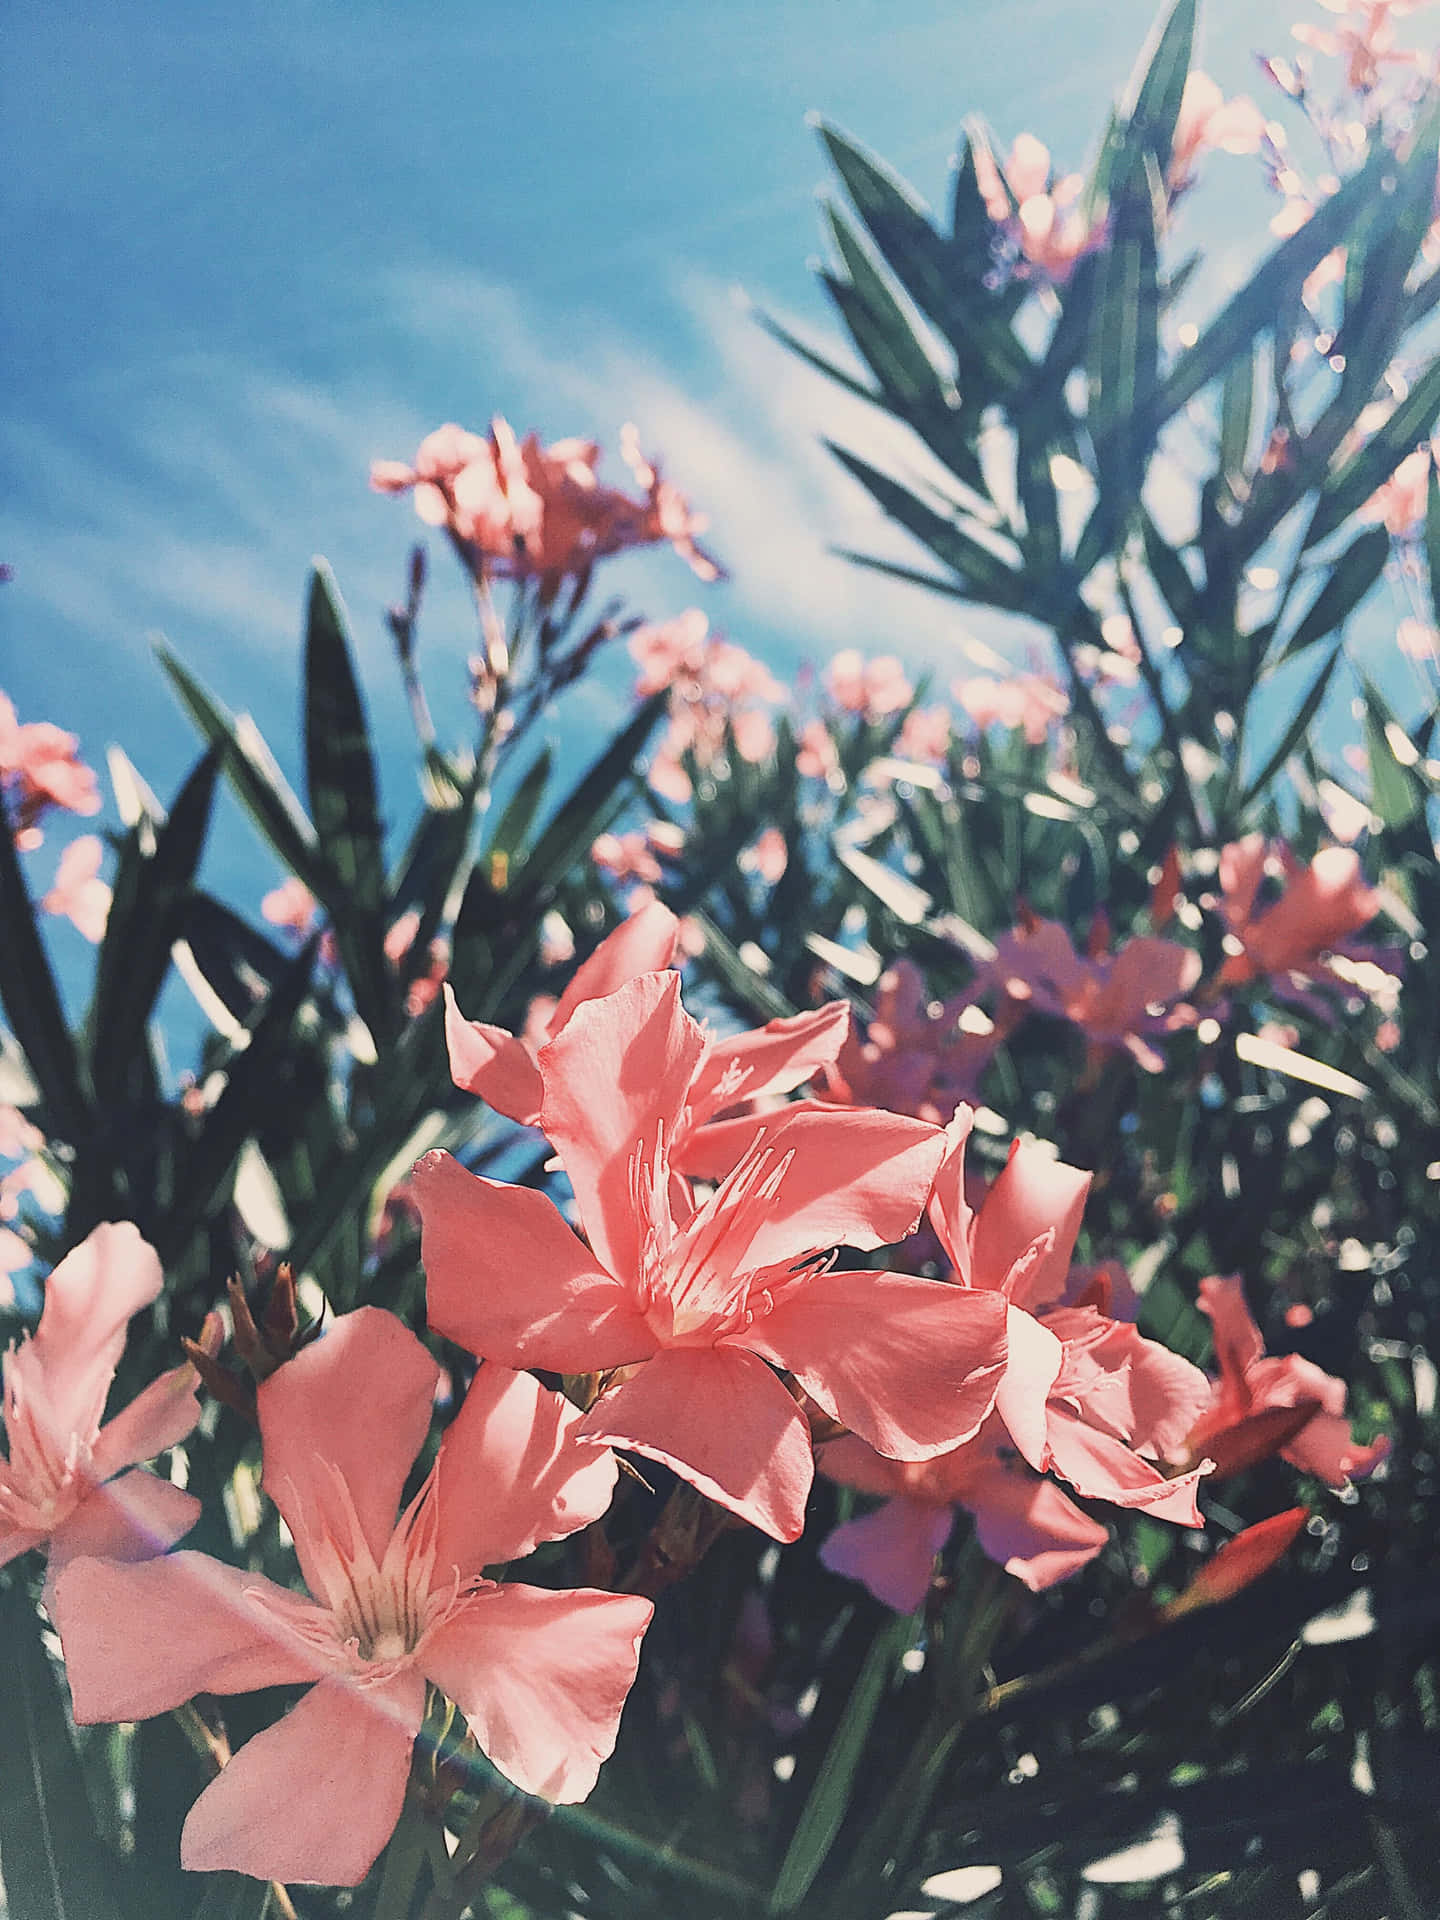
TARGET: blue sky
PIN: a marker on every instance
(252, 247)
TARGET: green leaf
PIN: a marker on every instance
(516, 821)
(1124, 353)
(898, 356)
(578, 818)
(146, 918)
(1410, 424)
(1170, 573)
(1432, 534)
(1237, 402)
(340, 775)
(986, 576)
(1298, 728)
(52, 1859)
(32, 1003)
(250, 768)
(1395, 794)
(1152, 104)
(824, 1812)
(741, 982)
(1348, 581)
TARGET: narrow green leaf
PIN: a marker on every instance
(824, 1812)
(576, 821)
(249, 766)
(897, 355)
(516, 821)
(1237, 402)
(340, 775)
(146, 917)
(1347, 582)
(54, 1864)
(1170, 573)
(1124, 353)
(987, 576)
(1298, 728)
(1411, 423)
(1152, 104)
(32, 1002)
(1395, 794)
(238, 964)
(817, 360)
(746, 988)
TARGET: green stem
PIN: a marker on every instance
(405, 1859)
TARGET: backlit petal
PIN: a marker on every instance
(131, 1518)
(1034, 1193)
(1029, 1527)
(89, 1300)
(1031, 1367)
(1103, 1468)
(891, 1551)
(645, 943)
(160, 1416)
(493, 1064)
(775, 1058)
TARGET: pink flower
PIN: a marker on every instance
(79, 892)
(1209, 122)
(665, 652)
(816, 758)
(540, 1676)
(875, 688)
(70, 1480)
(1289, 940)
(1252, 1410)
(291, 905)
(925, 735)
(1046, 221)
(1029, 701)
(39, 769)
(768, 857)
(625, 856)
(1117, 1000)
(1399, 502)
(915, 1057)
(1082, 1396)
(698, 1300)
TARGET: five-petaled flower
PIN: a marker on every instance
(540, 1676)
(691, 1304)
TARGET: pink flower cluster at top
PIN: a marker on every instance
(40, 769)
(520, 510)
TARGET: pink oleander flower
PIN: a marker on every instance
(79, 893)
(916, 1056)
(291, 905)
(671, 650)
(1257, 1406)
(767, 857)
(1028, 701)
(924, 735)
(1117, 1000)
(668, 514)
(875, 688)
(688, 1303)
(1292, 941)
(540, 1676)
(625, 856)
(1365, 39)
(1208, 122)
(39, 769)
(716, 688)
(1046, 221)
(1399, 502)
(70, 1482)
(1083, 1396)
(816, 757)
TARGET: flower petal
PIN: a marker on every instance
(722, 1421)
(515, 1439)
(645, 943)
(619, 1070)
(775, 1058)
(1035, 1192)
(891, 1551)
(89, 1300)
(355, 1405)
(911, 1365)
(541, 1679)
(1032, 1366)
(506, 1278)
(1028, 1526)
(144, 1638)
(1103, 1468)
(317, 1795)
(493, 1064)
(132, 1518)
(159, 1416)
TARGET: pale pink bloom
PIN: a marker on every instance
(768, 856)
(540, 1676)
(39, 769)
(625, 856)
(1254, 1405)
(1029, 701)
(1208, 122)
(754, 732)
(79, 893)
(557, 942)
(1119, 1001)
(668, 650)
(400, 936)
(737, 675)
(1365, 41)
(15, 1253)
(69, 1480)
(1288, 942)
(668, 777)
(915, 1057)
(816, 757)
(17, 1134)
(1082, 1395)
(875, 688)
(698, 1299)
(925, 735)
(668, 514)
(290, 905)
(1400, 501)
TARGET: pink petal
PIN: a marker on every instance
(515, 1439)
(645, 943)
(317, 1795)
(160, 1416)
(142, 1639)
(859, 1177)
(1326, 1447)
(775, 1058)
(1238, 1341)
(1031, 1368)
(616, 1073)
(507, 1278)
(89, 1300)
(356, 1405)
(853, 1462)
(723, 1422)
(911, 1365)
(1103, 1468)
(1034, 1193)
(493, 1064)
(541, 1679)
(132, 1518)
(1029, 1527)
(1242, 867)
(950, 1212)
(891, 1551)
